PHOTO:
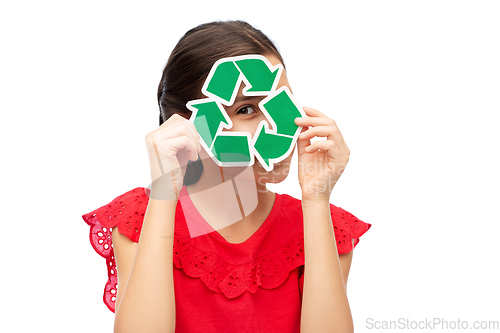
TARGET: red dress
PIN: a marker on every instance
(254, 286)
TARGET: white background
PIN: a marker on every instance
(413, 85)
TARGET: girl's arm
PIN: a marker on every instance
(325, 307)
(146, 300)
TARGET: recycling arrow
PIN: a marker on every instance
(272, 141)
(226, 75)
(208, 117)
(272, 146)
(223, 82)
(282, 111)
(259, 77)
(232, 148)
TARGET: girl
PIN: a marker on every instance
(179, 256)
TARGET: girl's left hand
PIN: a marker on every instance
(321, 163)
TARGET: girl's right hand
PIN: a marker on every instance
(170, 146)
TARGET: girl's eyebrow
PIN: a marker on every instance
(243, 98)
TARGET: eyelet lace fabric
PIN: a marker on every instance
(126, 213)
(348, 228)
(267, 272)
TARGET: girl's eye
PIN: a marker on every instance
(246, 110)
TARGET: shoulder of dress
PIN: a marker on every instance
(125, 211)
(347, 227)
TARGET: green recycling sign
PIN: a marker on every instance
(235, 149)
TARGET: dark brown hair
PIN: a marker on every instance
(191, 61)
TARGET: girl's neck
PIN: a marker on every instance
(231, 200)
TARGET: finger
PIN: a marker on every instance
(321, 131)
(313, 112)
(328, 146)
(177, 130)
(302, 144)
(330, 132)
(319, 121)
(315, 121)
(179, 145)
(192, 129)
(178, 121)
(186, 143)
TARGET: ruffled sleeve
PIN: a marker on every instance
(348, 228)
(126, 212)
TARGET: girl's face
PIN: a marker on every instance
(246, 116)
